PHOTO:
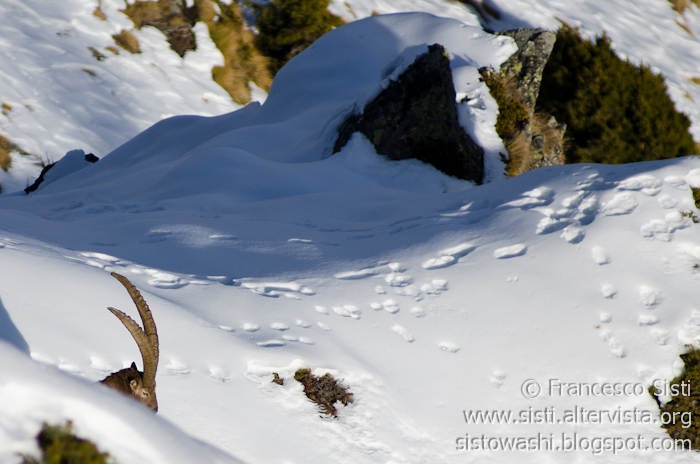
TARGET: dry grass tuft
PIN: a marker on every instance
(5, 148)
(96, 54)
(113, 49)
(128, 41)
(324, 391)
(89, 72)
(694, 80)
(173, 22)
(6, 108)
(98, 13)
(242, 61)
(681, 5)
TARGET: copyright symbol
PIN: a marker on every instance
(531, 389)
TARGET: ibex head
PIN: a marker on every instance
(131, 382)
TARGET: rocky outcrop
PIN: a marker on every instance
(542, 134)
(415, 116)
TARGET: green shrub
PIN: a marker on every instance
(59, 445)
(681, 416)
(615, 112)
(324, 391)
(287, 27)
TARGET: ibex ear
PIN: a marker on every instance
(134, 384)
(133, 366)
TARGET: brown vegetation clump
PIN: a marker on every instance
(128, 41)
(168, 17)
(324, 391)
(243, 63)
(681, 5)
(5, 148)
(60, 445)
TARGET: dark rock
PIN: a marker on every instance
(544, 134)
(527, 64)
(416, 117)
(39, 179)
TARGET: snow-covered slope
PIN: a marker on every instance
(428, 296)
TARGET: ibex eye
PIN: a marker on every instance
(144, 393)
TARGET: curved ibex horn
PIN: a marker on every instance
(146, 338)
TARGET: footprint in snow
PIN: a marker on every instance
(660, 336)
(279, 326)
(600, 256)
(573, 234)
(648, 319)
(609, 291)
(691, 329)
(176, 367)
(438, 263)
(405, 334)
(323, 326)
(391, 306)
(321, 309)
(497, 378)
(621, 203)
(302, 323)
(306, 340)
(649, 296)
(227, 328)
(70, 368)
(290, 338)
(250, 327)
(448, 347)
(398, 280)
(605, 317)
(100, 366)
(347, 311)
(418, 311)
(434, 287)
(666, 201)
(271, 343)
(677, 182)
(510, 251)
(218, 374)
(647, 184)
(613, 344)
(380, 290)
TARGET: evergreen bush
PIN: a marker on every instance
(287, 27)
(615, 112)
(681, 415)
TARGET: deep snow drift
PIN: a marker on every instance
(428, 296)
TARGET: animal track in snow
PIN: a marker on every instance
(418, 311)
(347, 311)
(70, 368)
(649, 296)
(100, 366)
(438, 263)
(391, 306)
(663, 229)
(306, 340)
(176, 367)
(615, 347)
(497, 378)
(380, 290)
(600, 256)
(691, 329)
(275, 289)
(42, 358)
(647, 184)
(675, 181)
(411, 291)
(666, 201)
(226, 328)
(548, 225)
(376, 306)
(323, 326)
(573, 234)
(279, 326)
(608, 291)
(435, 287)
(271, 343)
(573, 201)
(512, 279)
(290, 338)
(510, 251)
(622, 203)
(648, 319)
(398, 280)
(541, 196)
(660, 336)
(405, 334)
(448, 347)
(218, 374)
(321, 309)
(605, 317)
(249, 327)
(303, 324)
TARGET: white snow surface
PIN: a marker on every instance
(259, 253)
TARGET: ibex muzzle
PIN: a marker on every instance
(131, 382)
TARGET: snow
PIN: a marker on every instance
(259, 253)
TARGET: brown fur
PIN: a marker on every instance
(130, 382)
